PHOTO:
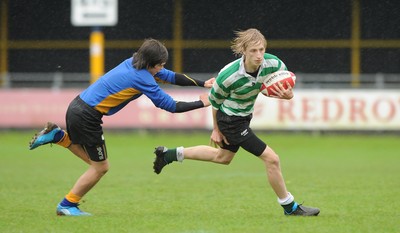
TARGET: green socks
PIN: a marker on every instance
(170, 156)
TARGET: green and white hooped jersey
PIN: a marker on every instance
(235, 92)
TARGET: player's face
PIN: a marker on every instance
(254, 56)
(154, 70)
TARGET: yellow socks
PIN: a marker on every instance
(70, 200)
(65, 141)
(73, 198)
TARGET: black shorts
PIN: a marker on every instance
(84, 128)
(237, 131)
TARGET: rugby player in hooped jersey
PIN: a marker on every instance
(129, 80)
(232, 97)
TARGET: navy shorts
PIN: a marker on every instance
(237, 131)
(84, 128)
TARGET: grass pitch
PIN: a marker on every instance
(354, 180)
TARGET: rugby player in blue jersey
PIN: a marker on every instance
(128, 81)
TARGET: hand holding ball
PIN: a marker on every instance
(281, 76)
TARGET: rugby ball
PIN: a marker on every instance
(281, 76)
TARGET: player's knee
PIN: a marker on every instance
(102, 168)
(273, 160)
(270, 158)
(225, 161)
(105, 168)
(223, 158)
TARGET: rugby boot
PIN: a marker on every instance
(160, 162)
(45, 136)
(300, 210)
(70, 211)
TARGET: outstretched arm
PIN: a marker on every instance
(185, 80)
(188, 106)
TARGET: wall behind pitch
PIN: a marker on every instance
(309, 110)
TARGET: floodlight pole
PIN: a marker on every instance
(96, 54)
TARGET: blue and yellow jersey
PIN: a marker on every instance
(115, 89)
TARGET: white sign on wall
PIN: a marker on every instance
(308, 110)
(94, 12)
(330, 110)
